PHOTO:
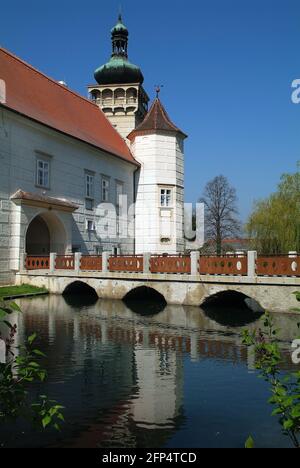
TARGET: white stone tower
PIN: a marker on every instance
(158, 145)
(119, 92)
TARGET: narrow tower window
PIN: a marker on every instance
(165, 197)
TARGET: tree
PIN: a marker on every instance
(221, 214)
(274, 225)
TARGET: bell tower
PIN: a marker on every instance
(119, 90)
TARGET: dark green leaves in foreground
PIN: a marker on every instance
(22, 369)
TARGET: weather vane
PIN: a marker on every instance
(158, 90)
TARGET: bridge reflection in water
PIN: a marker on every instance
(122, 375)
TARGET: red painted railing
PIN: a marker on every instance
(64, 262)
(285, 265)
(170, 264)
(91, 263)
(227, 265)
(278, 266)
(134, 263)
(37, 263)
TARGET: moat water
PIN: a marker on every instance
(175, 378)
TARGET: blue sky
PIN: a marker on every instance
(226, 65)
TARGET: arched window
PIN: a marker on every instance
(95, 96)
(107, 97)
(119, 96)
(131, 96)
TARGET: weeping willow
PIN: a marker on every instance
(274, 225)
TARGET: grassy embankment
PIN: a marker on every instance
(8, 292)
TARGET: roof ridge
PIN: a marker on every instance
(52, 80)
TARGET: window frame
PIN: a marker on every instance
(44, 161)
(165, 204)
(89, 185)
(92, 223)
(105, 180)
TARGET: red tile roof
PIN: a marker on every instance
(156, 120)
(34, 95)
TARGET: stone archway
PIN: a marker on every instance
(45, 234)
(38, 237)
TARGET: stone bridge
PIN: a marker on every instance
(270, 282)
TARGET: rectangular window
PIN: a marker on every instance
(119, 193)
(99, 250)
(105, 189)
(89, 185)
(42, 173)
(90, 225)
(89, 204)
(165, 197)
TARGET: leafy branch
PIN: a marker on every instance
(285, 389)
(21, 370)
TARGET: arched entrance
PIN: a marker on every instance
(38, 237)
(45, 234)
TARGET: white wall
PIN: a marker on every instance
(20, 139)
(162, 166)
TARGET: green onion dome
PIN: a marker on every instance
(119, 70)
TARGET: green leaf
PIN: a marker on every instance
(14, 306)
(31, 338)
(288, 424)
(9, 325)
(46, 421)
(39, 353)
(249, 443)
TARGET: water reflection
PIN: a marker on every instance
(230, 316)
(129, 379)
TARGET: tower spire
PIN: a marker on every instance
(119, 37)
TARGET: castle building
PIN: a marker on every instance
(66, 160)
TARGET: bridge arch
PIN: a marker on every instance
(79, 294)
(232, 308)
(145, 300)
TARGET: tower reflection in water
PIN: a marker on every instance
(119, 374)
